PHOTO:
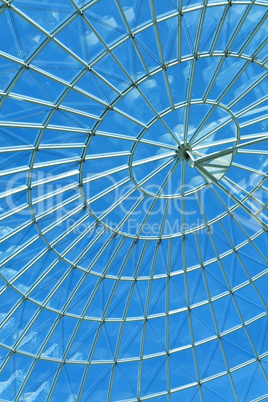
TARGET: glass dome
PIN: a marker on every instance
(134, 195)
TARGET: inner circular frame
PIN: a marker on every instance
(144, 131)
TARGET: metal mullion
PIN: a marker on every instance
(251, 107)
(4, 6)
(127, 116)
(158, 170)
(19, 148)
(64, 235)
(213, 79)
(20, 125)
(167, 317)
(44, 126)
(152, 159)
(12, 212)
(108, 191)
(82, 236)
(11, 86)
(255, 31)
(219, 29)
(254, 136)
(188, 100)
(252, 152)
(213, 144)
(160, 49)
(253, 121)
(36, 101)
(29, 266)
(193, 68)
(227, 89)
(219, 167)
(114, 206)
(130, 213)
(81, 256)
(241, 189)
(262, 209)
(169, 89)
(241, 22)
(104, 80)
(90, 4)
(54, 33)
(78, 112)
(158, 144)
(229, 194)
(12, 192)
(105, 174)
(10, 314)
(146, 318)
(56, 288)
(238, 165)
(106, 134)
(16, 231)
(133, 139)
(237, 148)
(186, 280)
(200, 27)
(265, 61)
(108, 49)
(157, 197)
(180, 15)
(56, 162)
(158, 115)
(55, 193)
(247, 91)
(45, 147)
(66, 83)
(61, 220)
(164, 219)
(55, 178)
(228, 121)
(259, 50)
(17, 252)
(107, 155)
(131, 34)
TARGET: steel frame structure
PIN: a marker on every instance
(75, 167)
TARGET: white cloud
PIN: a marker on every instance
(129, 13)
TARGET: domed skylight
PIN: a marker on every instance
(134, 194)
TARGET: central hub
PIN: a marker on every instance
(184, 152)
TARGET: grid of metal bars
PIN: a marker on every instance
(118, 245)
